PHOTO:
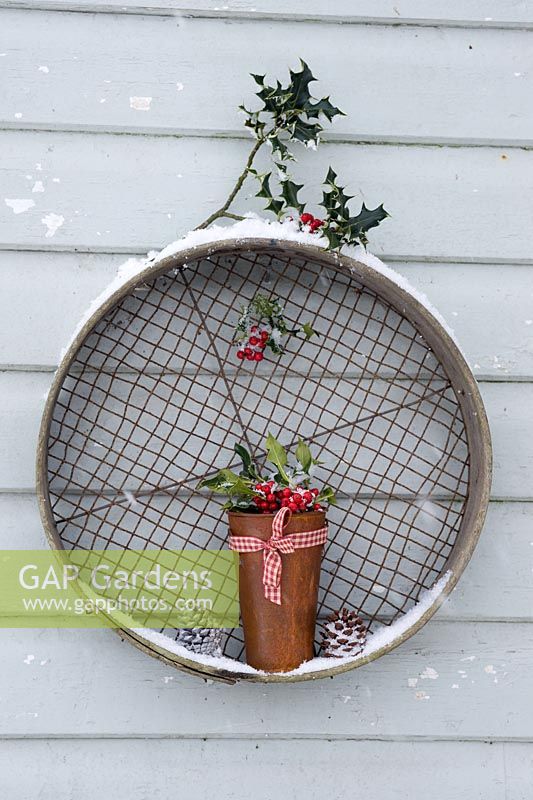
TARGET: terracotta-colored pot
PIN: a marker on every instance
(278, 638)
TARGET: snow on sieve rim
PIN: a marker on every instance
(252, 227)
(382, 638)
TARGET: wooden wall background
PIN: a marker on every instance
(439, 126)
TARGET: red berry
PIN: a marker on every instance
(264, 335)
(284, 503)
(317, 507)
(248, 351)
(273, 506)
(258, 356)
(287, 493)
(240, 354)
(298, 499)
(254, 341)
(292, 506)
(314, 492)
(306, 218)
(307, 497)
(250, 357)
(253, 329)
(256, 500)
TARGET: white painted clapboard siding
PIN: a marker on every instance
(460, 13)
(216, 768)
(92, 683)
(137, 192)
(423, 84)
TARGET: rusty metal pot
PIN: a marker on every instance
(278, 638)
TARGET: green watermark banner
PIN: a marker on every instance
(119, 589)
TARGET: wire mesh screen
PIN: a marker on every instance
(156, 399)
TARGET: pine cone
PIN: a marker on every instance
(344, 634)
(206, 641)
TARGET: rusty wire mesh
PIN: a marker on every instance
(155, 399)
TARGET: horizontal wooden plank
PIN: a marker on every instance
(452, 680)
(34, 333)
(508, 407)
(426, 83)
(50, 769)
(418, 12)
(502, 558)
(140, 192)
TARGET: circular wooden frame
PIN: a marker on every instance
(436, 337)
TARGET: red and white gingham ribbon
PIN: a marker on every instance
(273, 547)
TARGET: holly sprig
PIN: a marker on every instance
(290, 115)
(262, 324)
(285, 484)
(341, 227)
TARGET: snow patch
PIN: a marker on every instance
(140, 103)
(44, 68)
(53, 222)
(217, 662)
(381, 638)
(19, 206)
(38, 187)
(430, 673)
(254, 226)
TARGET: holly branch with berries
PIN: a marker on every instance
(266, 491)
(262, 325)
(289, 115)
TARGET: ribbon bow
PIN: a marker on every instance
(273, 547)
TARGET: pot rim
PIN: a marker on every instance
(254, 515)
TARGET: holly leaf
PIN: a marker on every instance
(289, 192)
(308, 331)
(299, 86)
(303, 456)
(305, 131)
(249, 470)
(366, 219)
(325, 107)
(223, 482)
(277, 455)
(327, 495)
(264, 181)
(275, 205)
(280, 149)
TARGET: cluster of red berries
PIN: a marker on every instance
(313, 222)
(257, 341)
(269, 500)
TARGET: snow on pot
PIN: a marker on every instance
(279, 573)
(278, 527)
